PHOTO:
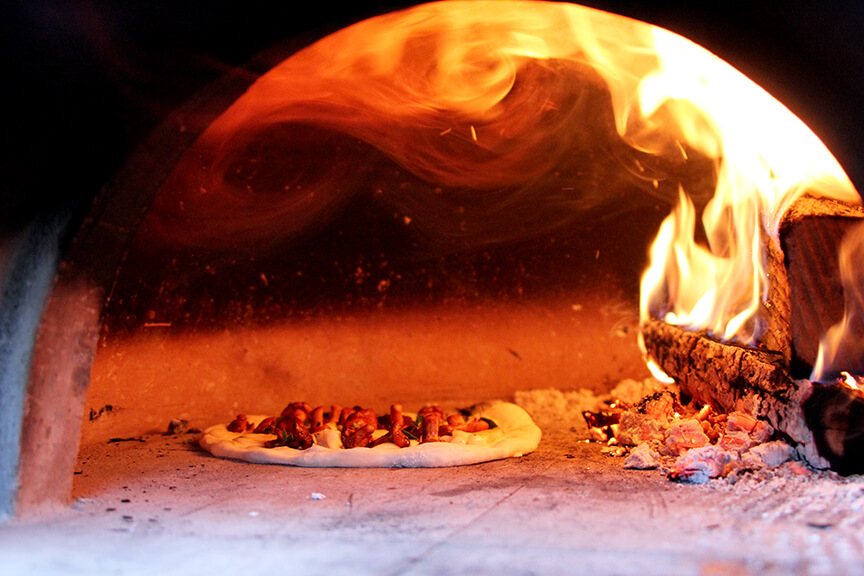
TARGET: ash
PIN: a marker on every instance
(645, 424)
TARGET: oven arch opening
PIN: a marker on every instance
(113, 228)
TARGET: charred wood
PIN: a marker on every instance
(776, 314)
(735, 378)
(835, 415)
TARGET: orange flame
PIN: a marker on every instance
(492, 96)
(766, 158)
(471, 95)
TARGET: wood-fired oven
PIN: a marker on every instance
(145, 305)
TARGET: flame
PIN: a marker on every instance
(841, 349)
(766, 158)
(507, 100)
(499, 101)
(658, 373)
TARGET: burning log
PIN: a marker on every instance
(776, 309)
(734, 378)
(824, 421)
(835, 415)
(811, 230)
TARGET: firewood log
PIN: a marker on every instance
(824, 421)
(835, 416)
(810, 236)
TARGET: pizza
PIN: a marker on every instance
(338, 437)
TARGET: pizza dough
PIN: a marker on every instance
(515, 434)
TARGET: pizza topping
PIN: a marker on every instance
(357, 437)
(430, 428)
(239, 424)
(300, 426)
(429, 410)
(335, 413)
(266, 426)
(476, 425)
(298, 411)
(358, 428)
(344, 413)
(395, 425)
(456, 420)
(289, 432)
(317, 419)
(397, 422)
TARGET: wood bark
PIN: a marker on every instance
(775, 311)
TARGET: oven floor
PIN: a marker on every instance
(160, 505)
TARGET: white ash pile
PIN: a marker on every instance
(553, 409)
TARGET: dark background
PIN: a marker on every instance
(84, 82)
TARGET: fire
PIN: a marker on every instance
(766, 158)
(479, 96)
(499, 100)
(659, 374)
(505, 101)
